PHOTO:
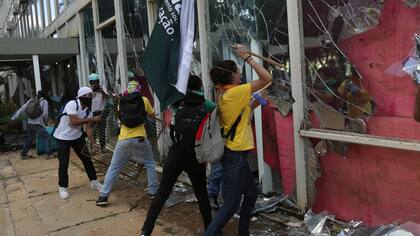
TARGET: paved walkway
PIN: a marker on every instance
(30, 205)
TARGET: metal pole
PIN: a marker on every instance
(56, 8)
(297, 63)
(100, 70)
(37, 73)
(30, 21)
(264, 170)
(42, 13)
(36, 17)
(49, 18)
(23, 20)
(121, 42)
(204, 50)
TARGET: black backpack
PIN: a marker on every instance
(132, 110)
(187, 121)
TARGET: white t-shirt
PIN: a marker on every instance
(98, 102)
(64, 130)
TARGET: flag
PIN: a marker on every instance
(168, 56)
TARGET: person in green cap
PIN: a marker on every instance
(98, 104)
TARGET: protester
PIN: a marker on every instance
(235, 104)
(188, 113)
(98, 106)
(132, 142)
(37, 112)
(76, 114)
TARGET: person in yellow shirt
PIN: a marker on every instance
(235, 108)
(132, 142)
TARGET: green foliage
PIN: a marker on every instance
(7, 108)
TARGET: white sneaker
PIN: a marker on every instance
(64, 194)
(95, 185)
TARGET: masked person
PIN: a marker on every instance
(37, 112)
(235, 104)
(98, 106)
(132, 141)
(76, 114)
(188, 114)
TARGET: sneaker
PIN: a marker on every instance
(64, 194)
(144, 233)
(95, 185)
(102, 201)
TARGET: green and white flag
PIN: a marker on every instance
(168, 56)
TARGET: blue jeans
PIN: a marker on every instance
(140, 150)
(237, 181)
(32, 131)
(215, 179)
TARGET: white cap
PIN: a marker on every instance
(84, 91)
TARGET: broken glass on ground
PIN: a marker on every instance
(174, 199)
(315, 223)
(268, 204)
(180, 188)
(191, 198)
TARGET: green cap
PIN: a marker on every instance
(130, 75)
(93, 77)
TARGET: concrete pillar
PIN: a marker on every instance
(37, 73)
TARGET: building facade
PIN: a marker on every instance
(311, 41)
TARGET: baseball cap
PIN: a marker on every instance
(93, 77)
(84, 91)
(130, 75)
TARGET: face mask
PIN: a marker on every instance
(95, 87)
(87, 102)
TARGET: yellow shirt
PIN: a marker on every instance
(231, 103)
(139, 131)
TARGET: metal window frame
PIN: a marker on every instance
(297, 62)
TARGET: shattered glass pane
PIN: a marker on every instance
(90, 38)
(412, 3)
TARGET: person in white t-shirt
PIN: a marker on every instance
(98, 105)
(76, 114)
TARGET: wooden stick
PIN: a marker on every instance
(266, 59)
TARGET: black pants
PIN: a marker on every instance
(176, 163)
(64, 156)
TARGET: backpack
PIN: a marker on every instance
(210, 139)
(132, 110)
(188, 118)
(33, 109)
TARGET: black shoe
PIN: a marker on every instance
(102, 201)
(144, 233)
